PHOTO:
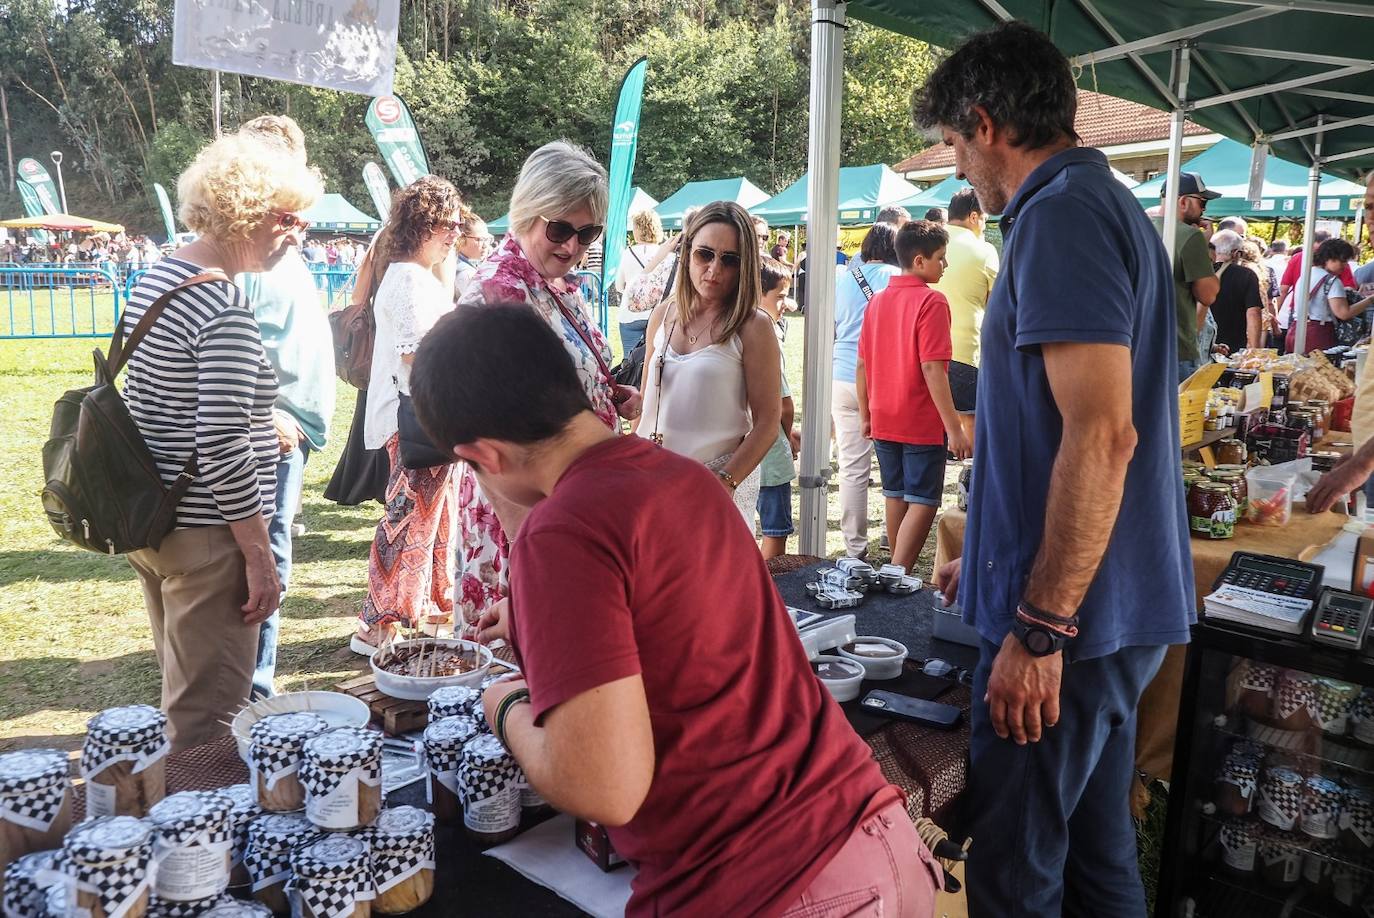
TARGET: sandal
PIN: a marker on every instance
(367, 642)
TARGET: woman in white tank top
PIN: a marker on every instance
(712, 380)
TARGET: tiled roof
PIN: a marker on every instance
(1102, 121)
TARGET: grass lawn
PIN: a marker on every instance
(77, 638)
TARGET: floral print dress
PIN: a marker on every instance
(481, 549)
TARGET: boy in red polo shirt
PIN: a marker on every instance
(905, 404)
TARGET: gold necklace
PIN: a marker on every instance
(692, 339)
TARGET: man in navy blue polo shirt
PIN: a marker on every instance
(1076, 568)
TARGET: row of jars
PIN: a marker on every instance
(1268, 783)
(471, 776)
(197, 846)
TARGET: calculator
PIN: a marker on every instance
(1280, 576)
(1341, 619)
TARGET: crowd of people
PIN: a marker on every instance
(585, 513)
(119, 251)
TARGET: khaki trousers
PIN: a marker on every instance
(194, 587)
(856, 464)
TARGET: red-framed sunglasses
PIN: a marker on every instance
(289, 221)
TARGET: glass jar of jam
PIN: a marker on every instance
(1212, 510)
(1240, 490)
(1231, 451)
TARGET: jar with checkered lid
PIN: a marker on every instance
(124, 761)
(108, 859)
(193, 841)
(35, 801)
(274, 757)
(243, 799)
(489, 782)
(444, 741)
(1322, 803)
(454, 701)
(1280, 799)
(1280, 857)
(1318, 864)
(1362, 718)
(1235, 784)
(341, 770)
(271, 839)
(333, 878)
(402, 842)
(1237, 839)
(1357, 820)
(1333, 705)
(1256, 690)
(23, 894)
(1295, 702)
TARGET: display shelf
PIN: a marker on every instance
(1217, 895)
(1291, 651)
(1209, 438)
(1342, 756)
(1340, 857)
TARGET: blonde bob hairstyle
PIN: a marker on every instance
(648, 228)
(747, 294)
(557, 178)
(238, 180)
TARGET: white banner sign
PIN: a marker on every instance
(334, 44)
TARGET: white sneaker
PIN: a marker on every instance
(297, 529)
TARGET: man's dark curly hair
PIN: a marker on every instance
(1019, 78)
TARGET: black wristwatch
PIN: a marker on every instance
(1038, 640)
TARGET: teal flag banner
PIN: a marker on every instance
(397, 139)
(624, 144)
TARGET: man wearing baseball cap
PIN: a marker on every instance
(1195, 281)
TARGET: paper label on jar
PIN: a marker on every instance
(1274, 814)
(100, 799)
(1319, 825)
(1241, 857)
(529, 797)
(186, 873)
(1288, 860)
(337, 809)
(498, 813)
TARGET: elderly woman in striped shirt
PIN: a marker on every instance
(201, 391)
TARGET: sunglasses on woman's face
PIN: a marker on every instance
(447, 226)
(560, 231)
(706, 255)
(290, 221)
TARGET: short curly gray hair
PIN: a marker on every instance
(557, 178)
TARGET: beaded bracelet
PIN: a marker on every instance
(728, 479)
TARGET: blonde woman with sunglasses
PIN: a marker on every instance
(557, 210)
(713, 370)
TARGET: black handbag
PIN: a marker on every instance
(417, 450)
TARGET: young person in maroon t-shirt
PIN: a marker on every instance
(665, 693)
(902, 378)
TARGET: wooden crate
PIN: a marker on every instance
(396, 715)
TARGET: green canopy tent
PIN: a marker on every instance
(696, 194)
(333, 214)
(1293, 74)
(864, 190)
(639, 200)
(937, 195)
(1225, 167)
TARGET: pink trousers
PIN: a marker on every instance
(883, 870)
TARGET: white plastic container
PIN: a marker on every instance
(419, 688)
(840, 676)
(881, 657)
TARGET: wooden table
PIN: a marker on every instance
(1158, 711)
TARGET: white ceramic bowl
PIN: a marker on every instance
(419, 688)
(881, 657)
(841, 677)
(338, 709)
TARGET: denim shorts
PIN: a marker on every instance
(914, 473)
(775, 510)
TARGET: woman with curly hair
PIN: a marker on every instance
(408, 576)
(200, 389)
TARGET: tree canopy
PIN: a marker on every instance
(486, 80)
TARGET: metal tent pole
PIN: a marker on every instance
(1303, 288)
(1168, 207)
(822, 233)
(216, 101)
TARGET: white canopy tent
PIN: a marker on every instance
(1267, 40)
